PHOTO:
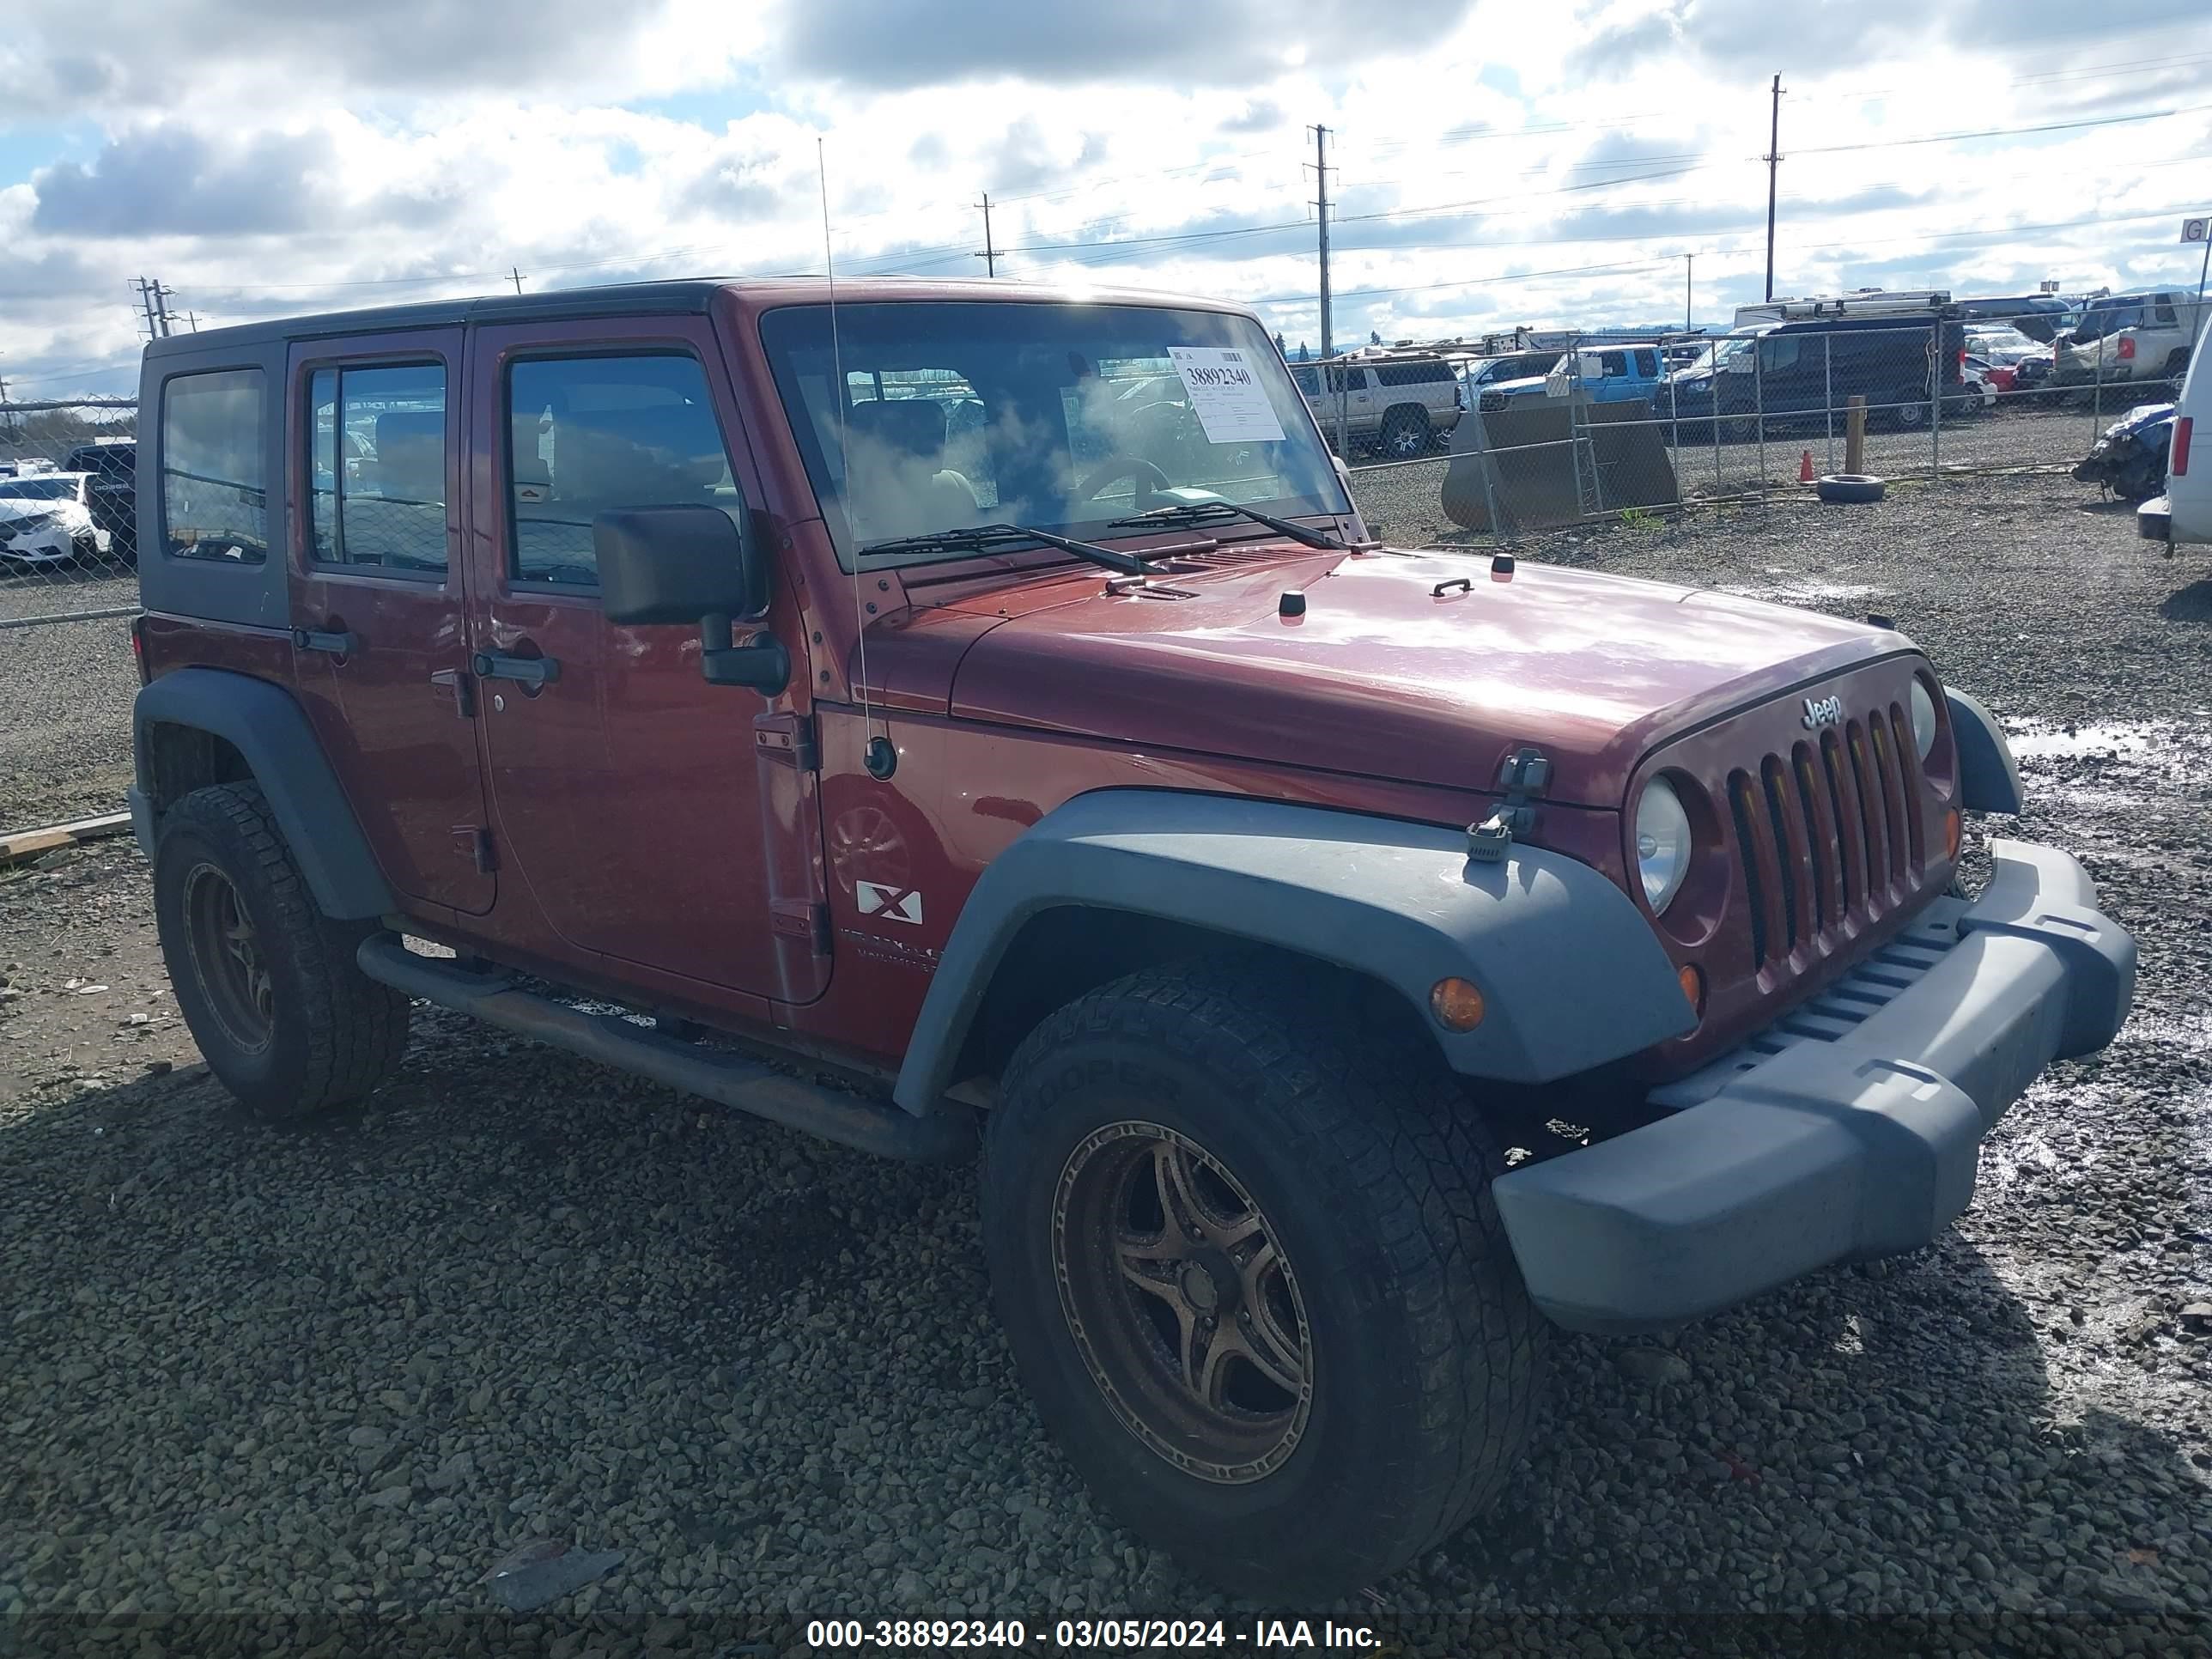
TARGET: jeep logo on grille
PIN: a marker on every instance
(1822, 711)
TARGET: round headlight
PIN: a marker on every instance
(1662, 843)
(1924, 719)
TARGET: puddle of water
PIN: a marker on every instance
(2110, 738)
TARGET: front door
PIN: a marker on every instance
(656, 820)
(381, 654)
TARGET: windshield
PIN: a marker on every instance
(38, 489)
(2108, 316)
(2002, 345)
(1734, 352)
(1061, 417)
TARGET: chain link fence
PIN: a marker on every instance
(1590, 430)
(1592, 427)
(69, 528)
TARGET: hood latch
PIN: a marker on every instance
(1522, 773)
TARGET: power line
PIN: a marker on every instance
(2005, 132)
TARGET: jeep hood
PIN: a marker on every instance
(1385, 677)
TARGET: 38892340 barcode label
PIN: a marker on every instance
(1229, 398)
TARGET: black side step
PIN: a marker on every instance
(946, 1134)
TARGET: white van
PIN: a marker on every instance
(2184, 514)
(2130, 338)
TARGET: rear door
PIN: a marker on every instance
(380, 646)
(658, 821)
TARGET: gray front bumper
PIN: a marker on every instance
(1849, 1130)
(2155, 520)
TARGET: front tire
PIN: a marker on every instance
(266, 982)
(1252, 1276)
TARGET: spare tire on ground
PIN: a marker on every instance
(1849, 487)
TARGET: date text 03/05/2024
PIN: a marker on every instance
(1080, 1633)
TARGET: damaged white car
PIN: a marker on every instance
(46, 518)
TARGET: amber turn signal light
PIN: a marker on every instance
(1456, 1004)
(1951, 833)
(1693, 986)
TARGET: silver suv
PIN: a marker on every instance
(1402, 403)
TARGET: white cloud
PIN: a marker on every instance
(1520, 163)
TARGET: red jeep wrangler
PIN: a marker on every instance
(954, 706)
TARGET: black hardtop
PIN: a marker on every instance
(687, 294)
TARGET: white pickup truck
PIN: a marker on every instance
(2184, 514)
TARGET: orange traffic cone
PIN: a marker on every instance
(1805, 468)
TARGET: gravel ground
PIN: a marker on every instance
(271, 1383)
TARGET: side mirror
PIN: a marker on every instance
(692, 564)
(678, 564)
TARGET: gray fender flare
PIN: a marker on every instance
(1988, 778)
(266, 725)
(1570, 972)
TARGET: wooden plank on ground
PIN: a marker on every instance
(29, 843)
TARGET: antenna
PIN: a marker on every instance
(882, 756)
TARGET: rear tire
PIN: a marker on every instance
(1383, 1370)
(265, 981)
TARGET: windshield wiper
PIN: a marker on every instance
(982, 538)
(1183, 515)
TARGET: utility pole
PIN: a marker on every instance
(517, 272)
(148, 297)
(1321, 178)
(1773, 160)
(990, 253)
(193, 318)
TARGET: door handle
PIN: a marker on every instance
(526, 671)
(455, 681)
(315, 639)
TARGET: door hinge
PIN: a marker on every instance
(454, 683)
(476, 842)
(789, 738)
(806, 919)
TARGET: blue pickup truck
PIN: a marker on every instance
(1605, 374)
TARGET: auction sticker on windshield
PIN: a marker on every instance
(1226, 395)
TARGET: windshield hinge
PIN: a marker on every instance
(789, 739)
(1522, 773)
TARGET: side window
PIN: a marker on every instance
(1777, 351)
(588, 435)
(2162, 311)
(323, 446)
(214, 497)
(376, 464)
(1647, 363)
(1613, 365)
(1308, 382)
(391, 488)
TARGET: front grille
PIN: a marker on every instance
(1828, 836)
(1837, 1012)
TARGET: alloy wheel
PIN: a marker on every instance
(228, 957)
(1182, 1303)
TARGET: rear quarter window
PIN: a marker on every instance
(1438, 373)
(214, 497)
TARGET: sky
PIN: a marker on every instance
(1493, 162)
